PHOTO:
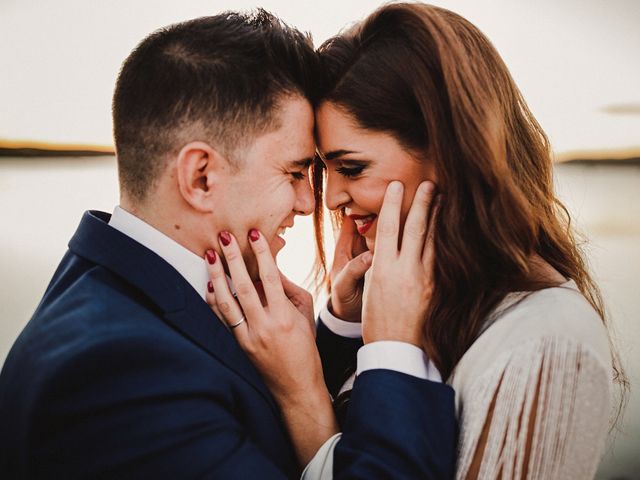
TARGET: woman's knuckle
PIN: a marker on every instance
(417, 230)
(260, 248)
(387, 228)
(271, 277)
(216, 274)
(225, 307)
(232, 255)
(243, 288)
(263, 338)
(286, 325)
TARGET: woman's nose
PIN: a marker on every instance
(336, 195)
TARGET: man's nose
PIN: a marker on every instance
(305, 201)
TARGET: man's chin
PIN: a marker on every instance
(276, 245)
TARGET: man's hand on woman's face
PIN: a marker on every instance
(399, 284)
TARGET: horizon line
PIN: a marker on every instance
(35, 147)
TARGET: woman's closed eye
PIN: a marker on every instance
(351, 171)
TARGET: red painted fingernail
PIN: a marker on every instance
(211, 257)
(254, 235)
(225, 238)
(210, 286)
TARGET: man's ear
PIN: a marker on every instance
(197, 167)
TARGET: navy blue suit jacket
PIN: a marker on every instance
(124, 372)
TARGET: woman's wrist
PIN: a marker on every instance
(303, 396)
(310, 420)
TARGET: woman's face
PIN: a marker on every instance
(360, 164)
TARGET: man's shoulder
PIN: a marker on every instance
(89, 294)
(88, 314)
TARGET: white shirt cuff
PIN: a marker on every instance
(340, 327)
(397, 356)
(321, 465)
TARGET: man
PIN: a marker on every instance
(124, 371)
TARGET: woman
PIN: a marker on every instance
(515, 323)
(512, 318)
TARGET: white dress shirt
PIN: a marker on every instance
(398, 356)
(192, 267)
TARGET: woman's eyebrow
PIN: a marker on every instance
(335, 154)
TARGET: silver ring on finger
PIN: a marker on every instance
(238, 323)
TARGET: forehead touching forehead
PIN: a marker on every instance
(297, 125)
(290, 143)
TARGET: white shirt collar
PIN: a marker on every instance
(188, 264)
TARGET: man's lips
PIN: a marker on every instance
(363, 222)
(278, 236)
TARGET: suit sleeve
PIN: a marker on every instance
(398, 426)
(140, 409)
(338, 355)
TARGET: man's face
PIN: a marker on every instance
(272, 184)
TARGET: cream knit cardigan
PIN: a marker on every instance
(537, 381)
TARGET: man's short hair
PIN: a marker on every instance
(218, 79)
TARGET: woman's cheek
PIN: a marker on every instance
(372, 195)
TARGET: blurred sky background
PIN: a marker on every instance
(576, 62)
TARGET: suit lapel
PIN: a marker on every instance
(181, 306)
(197, 322)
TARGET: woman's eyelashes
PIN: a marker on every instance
(351, 171)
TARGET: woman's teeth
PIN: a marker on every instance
(364, 224)
(361, 222)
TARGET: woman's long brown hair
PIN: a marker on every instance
(432, 80)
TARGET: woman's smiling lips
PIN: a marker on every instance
(363, 222)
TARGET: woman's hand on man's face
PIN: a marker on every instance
(399, 285)
(350, 262)
(274, 325)
(276, 331)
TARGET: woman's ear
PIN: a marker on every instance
(197, 167)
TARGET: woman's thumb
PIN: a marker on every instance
(357, 267)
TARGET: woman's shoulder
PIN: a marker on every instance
(539, 374)
(561, 313)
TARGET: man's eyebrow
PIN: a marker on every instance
(302, 163)
(335, 154)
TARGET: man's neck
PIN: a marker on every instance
(165, 219)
